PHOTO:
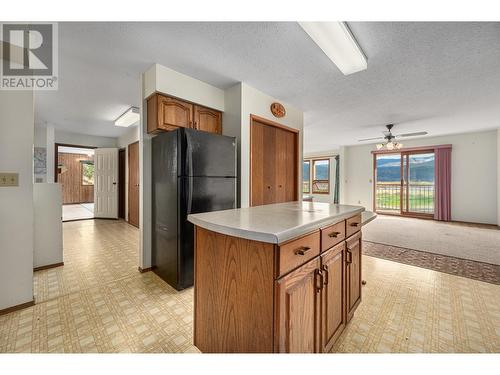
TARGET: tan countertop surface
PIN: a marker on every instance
(274, 223)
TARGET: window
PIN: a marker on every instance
(87, 173)
(316, 180)
(306, 176)
(321, 176)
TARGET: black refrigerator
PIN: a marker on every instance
(193, 172)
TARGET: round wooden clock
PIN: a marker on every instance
(278, 110)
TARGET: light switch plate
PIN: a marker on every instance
(9, 179)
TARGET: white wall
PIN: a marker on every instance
(473, 178)
(84, 139)
(48, 136)
(255, 102)
(231, 126)
(165, 80)
(328, 198)
(16, 203)
(131, 136)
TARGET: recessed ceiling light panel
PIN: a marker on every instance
(130, 117)
(338, 43)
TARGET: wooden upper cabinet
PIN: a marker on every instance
(166, 113)
(173, 113)
(353, 273)
(208, 120)
(297, 326)
(333, 317)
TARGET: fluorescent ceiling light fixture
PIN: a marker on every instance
(338, 43)
(130, 117)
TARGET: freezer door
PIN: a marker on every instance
(199, 194)
(207, 154)
(165, 207)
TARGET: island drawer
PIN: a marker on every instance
(332, 235)
(353, 225)
(296, 252)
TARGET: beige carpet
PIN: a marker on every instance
(452, 239)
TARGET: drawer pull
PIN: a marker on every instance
(348, 257)
(355, 225)
(302, 250)
(333, 234)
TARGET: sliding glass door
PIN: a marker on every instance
(404, 183)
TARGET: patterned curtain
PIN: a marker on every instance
(337, 175)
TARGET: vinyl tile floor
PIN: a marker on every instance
(99, 302)
(77, 211)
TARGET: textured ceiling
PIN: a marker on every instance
(439, 77)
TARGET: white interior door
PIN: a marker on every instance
(106, 183)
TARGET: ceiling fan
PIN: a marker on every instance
(389, 138)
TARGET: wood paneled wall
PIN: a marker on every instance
(72, 189)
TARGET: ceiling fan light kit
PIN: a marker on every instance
(389, 143)
(389, 146)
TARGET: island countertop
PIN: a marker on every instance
(274, 223)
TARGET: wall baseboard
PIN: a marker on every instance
(48, 266)
(142, 270)
(17, 307)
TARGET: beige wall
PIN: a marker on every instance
(474, 174)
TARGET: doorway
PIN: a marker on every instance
(404, 183)
(74, 171)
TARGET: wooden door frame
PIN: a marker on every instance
(403, 153)
(56, 154)
(267, 122)
(128, 174)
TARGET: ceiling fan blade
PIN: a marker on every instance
(411, 134)
(369, 139)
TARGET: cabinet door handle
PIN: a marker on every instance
(349, 256)
(334, 234)
(302, 250)
(325, 269)
(318, 285)
(354, 224)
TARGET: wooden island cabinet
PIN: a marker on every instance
(291, 297)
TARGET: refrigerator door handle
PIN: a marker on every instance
(189, 157)
(189, 189)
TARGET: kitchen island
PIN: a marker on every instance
(276, 278)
